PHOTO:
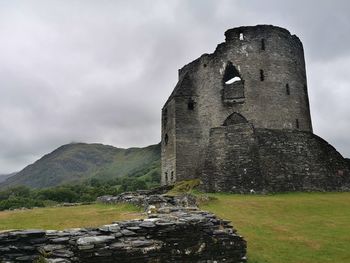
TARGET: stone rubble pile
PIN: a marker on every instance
(145, 200)
(171, 233)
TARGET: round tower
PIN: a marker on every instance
(270, 87)
(257, 76)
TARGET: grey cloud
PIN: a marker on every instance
(99, 71)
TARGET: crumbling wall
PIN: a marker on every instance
(171, 233)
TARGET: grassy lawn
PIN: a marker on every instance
(286, 228)
(67, 217)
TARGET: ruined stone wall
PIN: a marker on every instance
(272, 92)
(242, 159)
(171, 233)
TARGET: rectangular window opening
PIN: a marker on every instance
(262, 44)
(262, 76)
(287, 89)
(297, 123)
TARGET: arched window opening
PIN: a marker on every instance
(231, 74)
(262, 76)
(166, 139)
(234, 118)
(287, 89)
(190, 104)
(263, 44)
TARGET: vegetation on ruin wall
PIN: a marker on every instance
(296, 227)
(67, 217)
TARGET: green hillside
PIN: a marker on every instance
(73, 163)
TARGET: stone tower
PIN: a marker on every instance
(254, 82)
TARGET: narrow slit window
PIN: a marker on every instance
(297, 123)
(190, 104)
(166, 177)
(262, 76)
(287, 89)
(166, 139)
(172, 176)
(263, 44)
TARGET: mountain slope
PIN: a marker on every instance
(76, 162)
(3, 177)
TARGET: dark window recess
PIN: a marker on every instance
(190, 104)
(262, 76)
(172, 176)
(287, 89)
(297, 123)
(205, 65)
(166, 177)
(262, 44)
(166, 139)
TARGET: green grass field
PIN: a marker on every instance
(286, 228)
(67, 217)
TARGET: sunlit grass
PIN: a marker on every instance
(286, 228)
(67, 217)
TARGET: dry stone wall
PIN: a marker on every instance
(171, 233)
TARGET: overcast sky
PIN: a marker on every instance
(100, 71)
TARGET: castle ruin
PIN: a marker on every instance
(239, 119)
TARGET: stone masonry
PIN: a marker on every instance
(171, 233)
(239, 119)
